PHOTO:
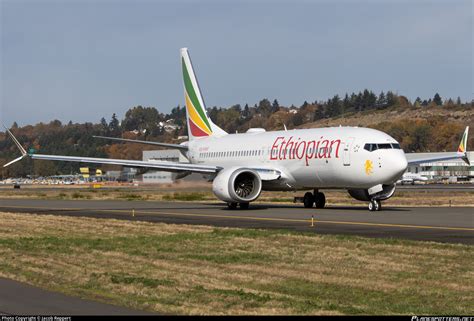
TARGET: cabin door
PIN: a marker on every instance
(346, 155)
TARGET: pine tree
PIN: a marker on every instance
(437, 100)
(114, 126)
(275, 106)
(381, 101)
(418, 102)
(346, 103)
(246, 112)
(391, 100)
(319, 113)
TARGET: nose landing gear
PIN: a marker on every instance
(375, 205)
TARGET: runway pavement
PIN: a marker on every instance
(18, 298)
(440, 224)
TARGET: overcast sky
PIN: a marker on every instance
(83, 60)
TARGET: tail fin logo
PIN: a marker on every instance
(197, 118)
(463, 144)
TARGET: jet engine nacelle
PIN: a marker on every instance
(363, 194)
(240, 185)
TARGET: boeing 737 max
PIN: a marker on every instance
(365, 162)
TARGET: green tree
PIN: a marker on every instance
(264, 107)
(437, 100)
(391, 99)
(275, 106)
(114, 126)
(421, 137)
(104, 126)
(297, 119)
(381, 101)
(319, 113)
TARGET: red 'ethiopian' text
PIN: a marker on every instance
(289, 148)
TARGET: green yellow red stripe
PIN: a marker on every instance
(192, 102)
(194, 116)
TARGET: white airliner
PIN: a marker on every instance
(411, 178)
(365, 162)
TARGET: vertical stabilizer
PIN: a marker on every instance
(463, 144)
(199, 124)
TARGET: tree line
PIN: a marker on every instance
(147, 123)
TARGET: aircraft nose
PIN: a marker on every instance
(398, 165)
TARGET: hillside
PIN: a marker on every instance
(417, 129)
(428, 125)
(375, 117)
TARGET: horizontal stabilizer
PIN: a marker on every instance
(15, 160)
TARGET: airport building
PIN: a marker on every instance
(159, 177)
(455, 170)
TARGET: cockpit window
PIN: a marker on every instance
(396, 146)
(384, 146)
(372, 147)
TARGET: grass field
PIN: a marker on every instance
(183, 269)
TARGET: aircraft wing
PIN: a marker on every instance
(460, 154)
(157, 165)
(178, 146)
(430, 159)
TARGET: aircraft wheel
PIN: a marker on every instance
(372, 206)
(244, 206)
(231, 205)
(375, 205)
(320, 200)
(308, 200)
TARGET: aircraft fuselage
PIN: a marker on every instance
(332, 157)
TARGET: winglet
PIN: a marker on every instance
(22, 150)
(462, 149)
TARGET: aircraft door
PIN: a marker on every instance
(346, 155)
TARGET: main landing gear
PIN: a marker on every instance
(318, 198)
(233, 205)
(375, 205)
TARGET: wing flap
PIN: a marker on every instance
(163, 166)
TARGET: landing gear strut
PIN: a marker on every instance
(317, 198)
(231, 205)
(244, 206)
(375, 205)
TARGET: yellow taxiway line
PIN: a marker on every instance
(254, 218)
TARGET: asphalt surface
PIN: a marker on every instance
(440, 224)
(454, 225)
(438, 187)
(18, 298)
